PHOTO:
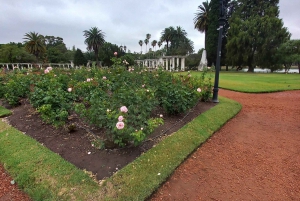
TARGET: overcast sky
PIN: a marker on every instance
(124, 22)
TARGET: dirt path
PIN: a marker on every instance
(255, 156)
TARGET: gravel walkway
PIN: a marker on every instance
(255, 156)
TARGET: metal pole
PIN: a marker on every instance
(216, 84)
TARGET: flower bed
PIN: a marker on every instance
(119, 101)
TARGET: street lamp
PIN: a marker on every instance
(221, 26)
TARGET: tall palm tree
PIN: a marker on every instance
(201, 19)
(141, 44)
(34, 44)
(148, 36)
(159, 44)
(153, 44)
(94, 39)
(166, 35)
(146, 41)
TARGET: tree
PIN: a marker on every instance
(15, 53)
(255, 34)
(94, 39)
(289, 53)
(201, 19)
(34, 44)
(107, 51)
(146, 41)
(79, 59)
(153, 44)
(212, 33)
(141, 44)
(166, 35)
(159, 44)
(148, 36)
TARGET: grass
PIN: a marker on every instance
(44, 175)
(4, 112)
(257, 82)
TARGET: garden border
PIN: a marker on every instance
(44, 175)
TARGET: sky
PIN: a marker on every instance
(124, 22)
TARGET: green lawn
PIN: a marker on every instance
(259, 82)
(256, 82)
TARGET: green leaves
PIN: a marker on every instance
(118, 100)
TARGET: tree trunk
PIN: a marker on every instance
(299, 67)
(226, 67)
(250, 69)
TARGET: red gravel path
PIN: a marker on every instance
(255, 156)
(9, 191)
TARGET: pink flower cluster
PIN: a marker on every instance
(199, 90)
(124, 109)
(120, 125)
(89, 79)
(48, 69)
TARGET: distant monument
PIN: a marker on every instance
(203, 61)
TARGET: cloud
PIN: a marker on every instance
(124, 22)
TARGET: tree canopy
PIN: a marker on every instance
(34, 44)
(94, 39)
(255, 34)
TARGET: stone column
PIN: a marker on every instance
(182, 64)
(167, 65)
(173, 63)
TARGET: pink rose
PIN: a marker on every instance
(120, 125)
(46, 71)
(49, 68)
(88, 80)
(124, 109)
(120, 118)
(104, 78)
(199, 90)
(116, 53)
(69, 89)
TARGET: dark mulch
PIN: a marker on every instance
(76, 146)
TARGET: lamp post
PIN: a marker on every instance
(221, 26)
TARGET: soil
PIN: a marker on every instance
(255, 156)
(76, 146)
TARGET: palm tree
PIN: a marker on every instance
(167, 35)
(148, 36)
(153, 43)
(201, 19)
(34, 44)
(94, 39)
(159, 44)
(146, 41)
(141, 44)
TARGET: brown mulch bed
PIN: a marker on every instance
(255, 156)
(76, 146)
